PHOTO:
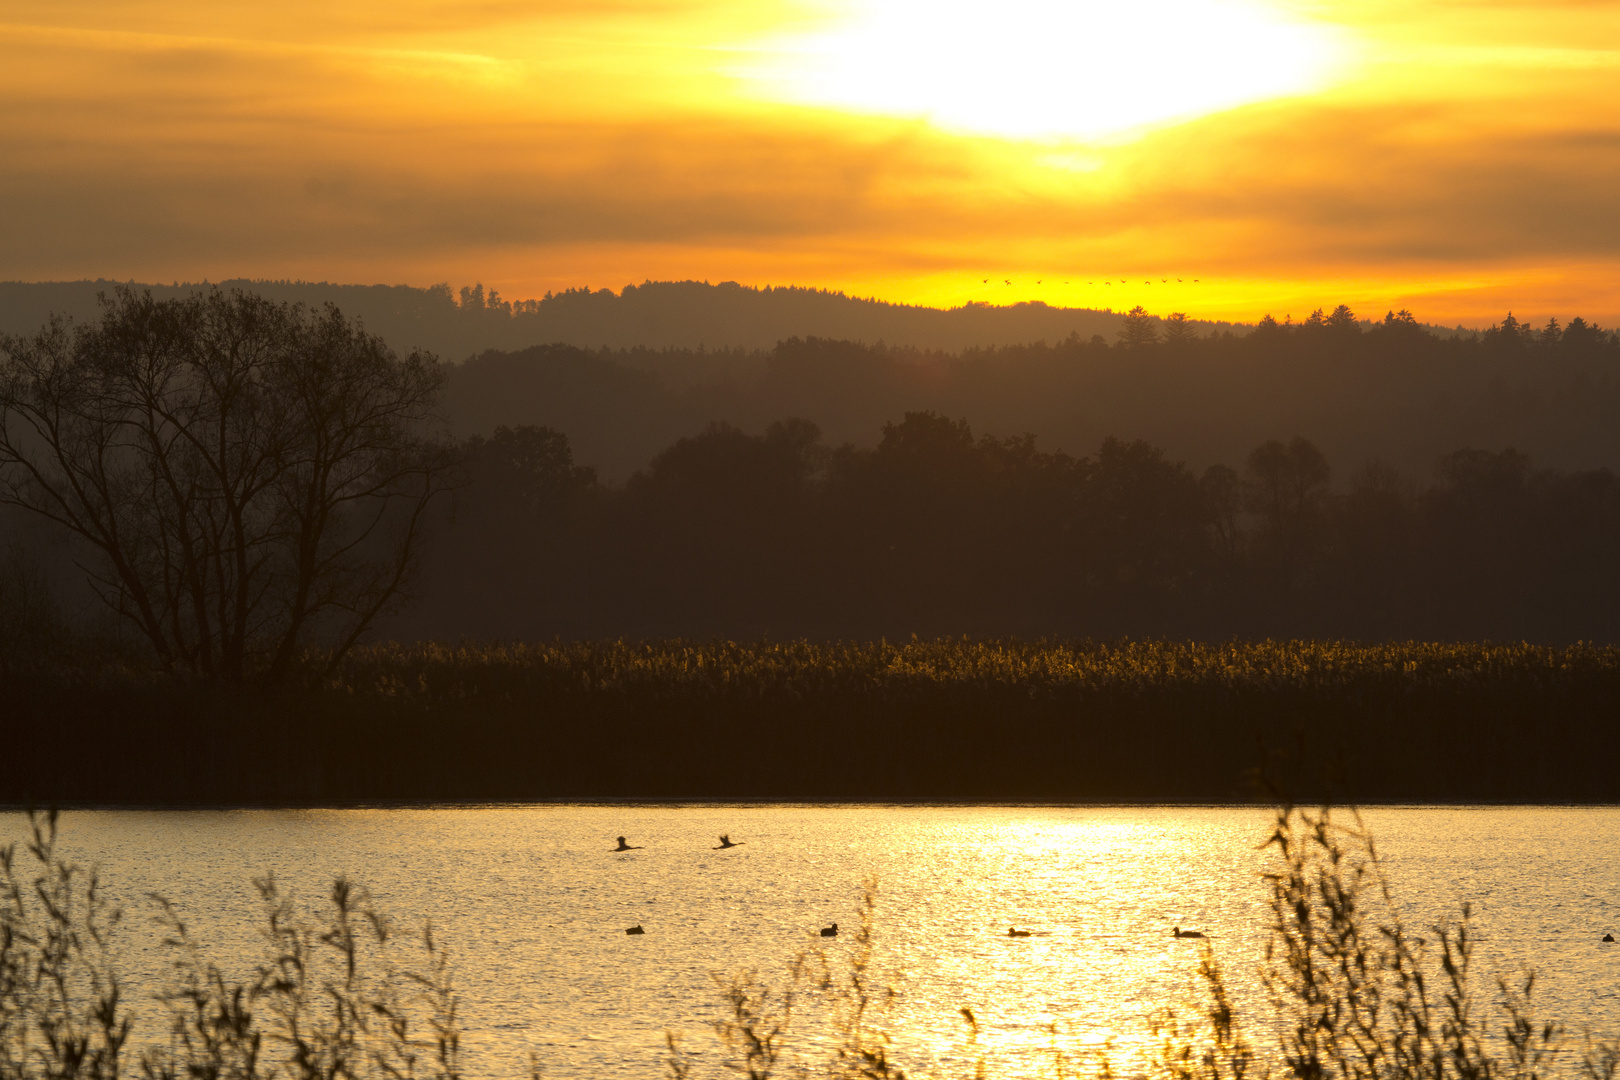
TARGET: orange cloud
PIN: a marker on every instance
(1467, 162)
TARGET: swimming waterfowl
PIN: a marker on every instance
(1013, 931)
(1609, 938)
(627, 847)
(830, 931)
(726, 841)
(636, 929)
(1187, 933)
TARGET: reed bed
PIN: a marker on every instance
(947, 719)
(801, 669)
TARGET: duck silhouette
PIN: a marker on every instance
(1609, 938)
(1013, 931)
(726, 841)
(830, 931)
(1180, 933)
(627, 847)
(636, 929)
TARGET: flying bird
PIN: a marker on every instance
(627, 847)
(1006, 281)
(726, 841)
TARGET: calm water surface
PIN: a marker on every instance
(534, 904)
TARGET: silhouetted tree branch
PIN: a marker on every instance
(252, 477)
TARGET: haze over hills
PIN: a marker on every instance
(1329, 477)
(655, 315)
(625, 375)
(1392, 394)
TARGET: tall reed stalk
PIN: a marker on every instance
(1361, 996)
(343, 995)
(1354, 993)
(62, 1008)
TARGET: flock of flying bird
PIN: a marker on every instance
(832, 931)
(1122, 281)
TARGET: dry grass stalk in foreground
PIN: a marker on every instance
(757, 1019)
(1358, 995)
(1362, 997)
(62, 1011)
(329, 1000)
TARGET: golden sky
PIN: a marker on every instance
(1457, 157)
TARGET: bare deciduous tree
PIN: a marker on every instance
(251, 476)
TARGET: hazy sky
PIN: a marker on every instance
(1457, 157)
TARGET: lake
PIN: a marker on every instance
(534, 902)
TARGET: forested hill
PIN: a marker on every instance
(656, 314)
(1395, 393)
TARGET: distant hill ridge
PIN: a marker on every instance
(655, 314)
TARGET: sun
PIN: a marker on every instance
(1039, 69)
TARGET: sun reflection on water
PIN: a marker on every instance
(534, 903)
(1101, 895)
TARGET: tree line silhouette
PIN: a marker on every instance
(1391, 390)
(457, 323)
(938, 531)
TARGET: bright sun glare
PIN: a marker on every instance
(1041, 69)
